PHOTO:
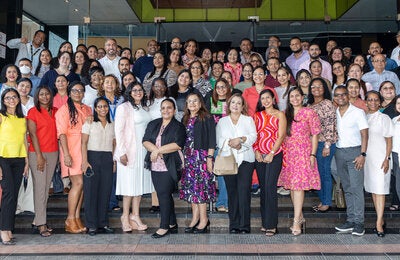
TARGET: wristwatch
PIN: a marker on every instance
(364, 154)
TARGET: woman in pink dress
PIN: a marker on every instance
(233, 65)
(300, 172)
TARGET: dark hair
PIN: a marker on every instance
(354, 80)
(151, 95)
(134, 54)
(25, 80)
(340, 87)
(387, 81)
(123, 87)
(92, 46)
(334, 77)
(59, 56)
(214, 97)
(327, 92)
(228, 103)
(97, 63)
(73, 113)
(298, 75)
(245, 39)
(4, 71)
(25, 59)
(62, 45)
(85, 66)
(376, 93)
(290, 110)
(63, 76)
(130, 51)
(288, 83)
(165, 65)
(36, 97)
(81, 45)
(201, 114)
(343, 60)
(228, 51)
(187, 44)
(39, 31)
(173, 90)
(180, 57)
(129, 98)
(124, 58)
(260, 107)
(18, 109)
(394, 104)
(201, 67)
(96, 115)
(40, 62)
(96, 69)
(169, 100)
(315, 61)
(365, 68)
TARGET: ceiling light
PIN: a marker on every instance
(66, 1)
(76, 10)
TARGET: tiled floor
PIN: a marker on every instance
(215, 245)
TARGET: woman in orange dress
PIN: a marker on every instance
(69, 120)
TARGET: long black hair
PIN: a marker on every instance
(129, 98)
(327, 93)
(151, 95)
(260, 107)
(290, 110)
(36, 97)
(96, 115)
(173, 90)
(73, 113)
(165, 65)
(18, 109)
(3, 78)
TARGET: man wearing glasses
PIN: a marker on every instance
(352, 127)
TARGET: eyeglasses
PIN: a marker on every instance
(340, 94)
(137, 90)
(373, 100)
(378, 61)
(220, 87)
(77, 91)
(9, 98)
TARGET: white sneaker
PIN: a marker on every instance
(283, 192)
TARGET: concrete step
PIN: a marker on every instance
(57, 212)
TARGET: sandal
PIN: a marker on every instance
(271, 232)
(394, 207)
(136, 223)
(44, 231)
(126, 227)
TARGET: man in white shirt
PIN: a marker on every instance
(352, 127)
(314, 51)
(29, 50)
(110, 61)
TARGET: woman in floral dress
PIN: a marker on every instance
(198, 186)
(300, 172)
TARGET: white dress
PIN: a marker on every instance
(135, 180)
(375, 180)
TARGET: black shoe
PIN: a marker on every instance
(244, 231)
(106, 230)
(202, 230)
(154, 209)
(92, 231)
(174, 229)
(35, 229)
(234, 231)
(156, 235)
(191, 229)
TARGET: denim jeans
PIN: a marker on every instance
(324, 168)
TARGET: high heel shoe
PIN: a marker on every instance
(202, 230)
(136, 223)
(302, 223)
(191, 229)
(126, 227)
(173, 229)
(80, 225)
(380, 233)
(71, 226)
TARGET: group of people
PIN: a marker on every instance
(131, 124)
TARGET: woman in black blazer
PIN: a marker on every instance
(164, 139)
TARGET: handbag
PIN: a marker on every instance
(225, 165)
(339, 197)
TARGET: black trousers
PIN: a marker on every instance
(97, 189)
(239, 196)
(13, 169)
(164, 185)
(268, 174)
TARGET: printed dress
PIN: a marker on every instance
(298, 174)
(197, 183)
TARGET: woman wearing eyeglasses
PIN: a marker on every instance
(69, 120)
(13, 159)
(98, 141)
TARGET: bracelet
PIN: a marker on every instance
(210, 156)
(313, 155)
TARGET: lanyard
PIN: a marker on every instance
(33, 54)
(113, 107)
